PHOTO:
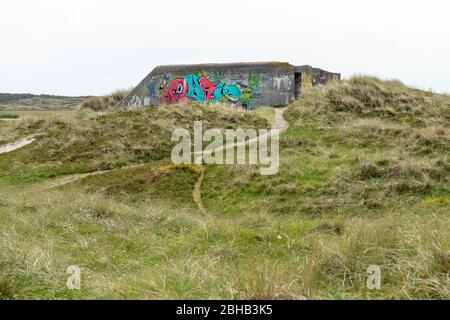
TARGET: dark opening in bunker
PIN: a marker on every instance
(298, 84)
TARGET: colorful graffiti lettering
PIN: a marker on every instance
(202, 89)
(248, 93)
(174, 91)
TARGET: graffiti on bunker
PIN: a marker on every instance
(249, 85)
(199, 88)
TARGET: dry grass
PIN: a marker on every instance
(85, 142)
(105, 103)
(364, 180)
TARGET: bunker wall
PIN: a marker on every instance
(249, 87)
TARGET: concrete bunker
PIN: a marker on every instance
(246, 85)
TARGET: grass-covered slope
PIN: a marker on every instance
(364, 180)
(86, 143)
(356, 146)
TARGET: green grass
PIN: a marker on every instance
(146, 184)
(364, 180)
(267, 113)
(4, 115)
(86, 142)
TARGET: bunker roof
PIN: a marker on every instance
(251, 66)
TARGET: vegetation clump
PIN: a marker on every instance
(105, 103)
(8, 116)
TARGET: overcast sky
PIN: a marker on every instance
(86, 47)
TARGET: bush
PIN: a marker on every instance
(8, 116)
(106, 102)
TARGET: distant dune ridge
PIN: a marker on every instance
(31, 102)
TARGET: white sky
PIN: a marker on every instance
(82, 47)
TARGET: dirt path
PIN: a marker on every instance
(279, 123)
(59, 182)
(17, 144)
(197, 194)
(69, 179)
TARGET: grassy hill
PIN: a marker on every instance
(30, 102)
(364, 180)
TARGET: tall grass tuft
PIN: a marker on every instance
(105, 103)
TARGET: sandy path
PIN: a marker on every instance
(59, 182)
(280, 123)
(197, 194)
(69, 179)
(16, 144)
